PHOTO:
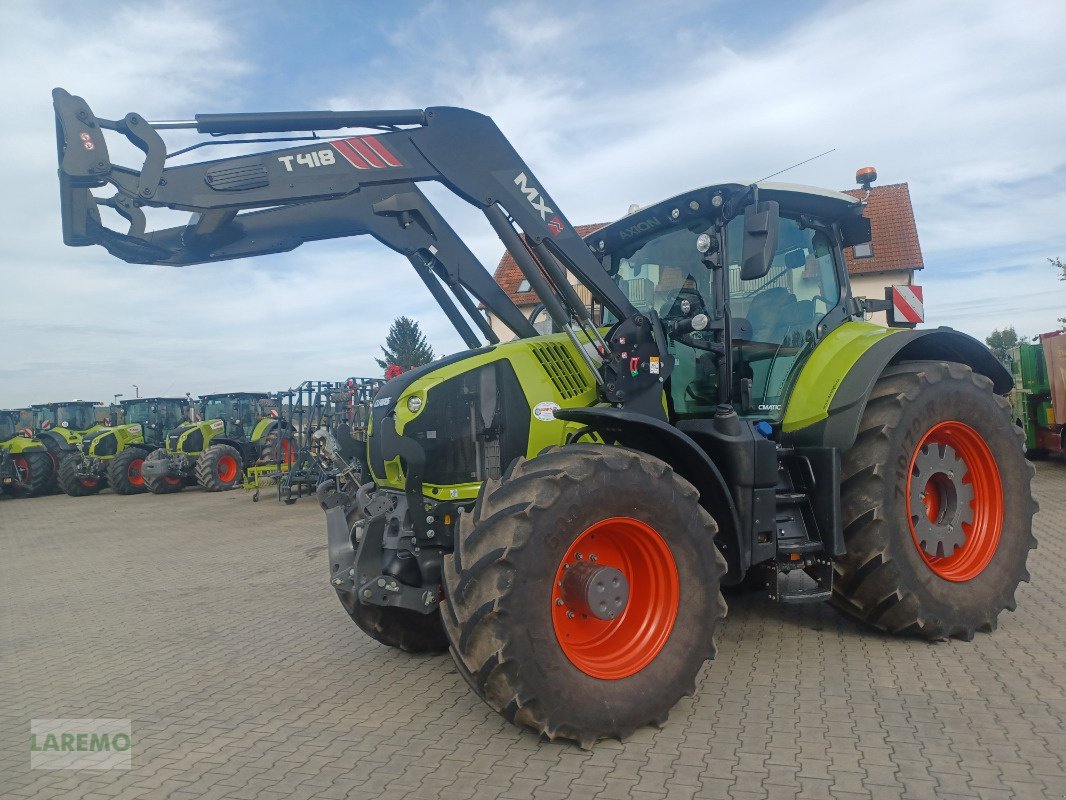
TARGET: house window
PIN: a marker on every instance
(865, 250)
(524, 285)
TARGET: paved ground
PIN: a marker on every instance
(208, 621)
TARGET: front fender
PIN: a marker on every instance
(685, 456)
(829, 397)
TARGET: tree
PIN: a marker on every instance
(1058, 264)
(1000, 343)
(405, 346)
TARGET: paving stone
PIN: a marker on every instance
(207, 621)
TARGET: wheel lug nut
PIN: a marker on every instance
(559, 601)
(569, 614)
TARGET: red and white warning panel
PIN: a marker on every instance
(907, 306)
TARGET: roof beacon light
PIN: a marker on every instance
(865, 176)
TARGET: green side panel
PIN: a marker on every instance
(549, 369)
(20, 444)
(260, 428)
(820, 377)
(1029, 369)
(125, 436)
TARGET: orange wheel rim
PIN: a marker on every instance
(629, 555)
(954, 497)
(227, 468)
(133, 473)
(287, 456)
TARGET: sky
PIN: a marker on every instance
(610, 104)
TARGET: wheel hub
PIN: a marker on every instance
(937, 487)
(597, 591)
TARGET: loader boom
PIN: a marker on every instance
(276, 200)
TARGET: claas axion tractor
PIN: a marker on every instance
(562, 510)
(113, 456)
(26, 469)
(235, 431)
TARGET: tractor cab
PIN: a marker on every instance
(60, 427)
(690, 272)
(155, 415)
(240, 412)
(9, 427)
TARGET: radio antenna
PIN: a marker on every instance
(800, 164)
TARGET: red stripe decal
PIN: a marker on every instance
(349, 154)
(371, 157)
(382, 151)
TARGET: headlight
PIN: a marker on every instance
(414, 403)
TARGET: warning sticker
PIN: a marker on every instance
(653, 365)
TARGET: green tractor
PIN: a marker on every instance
(236, 430)
(562, 511)
(112, 456)
(25, 467)
(60, 427)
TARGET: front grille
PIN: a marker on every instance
(194, 442)
(105, 444)
(559, 365)
(472, 426)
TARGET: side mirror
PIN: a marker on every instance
(760, 239)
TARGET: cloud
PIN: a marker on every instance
(961, 100)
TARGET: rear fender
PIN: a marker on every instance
(667, 443)
(852, 376)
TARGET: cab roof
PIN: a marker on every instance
(236, 396)
(153, 400)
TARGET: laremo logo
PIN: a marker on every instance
(80, 744)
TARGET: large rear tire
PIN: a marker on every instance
(74, 484)
(937, 505)
(583, 594)
(410, 631)
(124, 472)
(36, 470)
(219, 468)
(167, 484)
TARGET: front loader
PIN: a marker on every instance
(113, 455)
(561, 511)
(25, 466)
(235, 431)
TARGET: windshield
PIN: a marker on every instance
(663, 271)
(223, 408)
(137, 412)
(77, 418)
(8, 425)
(43, 417)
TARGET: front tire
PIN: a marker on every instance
(124, 472)
(583, 592)
(36, 470)
(937, 505)
(74, 484)
(219, 468)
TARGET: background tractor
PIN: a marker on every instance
(25, 466)
(561, 511)
(60, 427)
(1039, 395)
(236, 430)
(113, 455)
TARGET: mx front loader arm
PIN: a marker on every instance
(276, 200)
(297, 188)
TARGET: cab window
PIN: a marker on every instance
(775, 317)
